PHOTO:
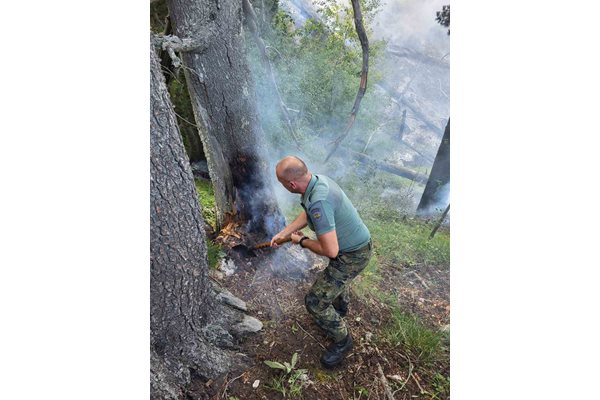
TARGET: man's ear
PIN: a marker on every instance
(293, 185)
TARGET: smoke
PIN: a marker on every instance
(412, 24)
(409, 73)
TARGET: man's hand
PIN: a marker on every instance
(299, 223)
(296, 236)
(280, 236)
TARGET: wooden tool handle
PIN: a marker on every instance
(268, 244)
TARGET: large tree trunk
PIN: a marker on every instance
(433, 195)
(224, 107)
(189, 327)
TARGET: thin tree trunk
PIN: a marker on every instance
(438, 178)
(362, 88)
(439, 223)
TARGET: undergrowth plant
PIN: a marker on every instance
(290, 381)
(423, 345)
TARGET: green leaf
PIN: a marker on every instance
(287, 366)
(275, 364)
(294, 360)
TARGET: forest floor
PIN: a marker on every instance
(399, 319)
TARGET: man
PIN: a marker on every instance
(341, 235)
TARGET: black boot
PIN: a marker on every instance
(336, 352)
(341, 307)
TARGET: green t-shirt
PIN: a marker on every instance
(328, 208)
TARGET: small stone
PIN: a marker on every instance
(248, 325)
(278, 289)
(357, 319)
(256, 383)
(228, 298)
(368, 336)
(259, 313)
(396, 378)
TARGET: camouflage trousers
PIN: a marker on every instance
(333, 285)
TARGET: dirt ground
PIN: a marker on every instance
(276, 297)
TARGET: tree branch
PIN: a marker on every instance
(439, 223)
(172, 43)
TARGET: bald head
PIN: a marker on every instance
(293, 174)
(291, 168)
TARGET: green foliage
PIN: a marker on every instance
(362, 392)
(402, 243)
(441, 386)
(158, 16)
(318, 70)
(443, 17)
(215, 253)
(287, 367)
(399, 239)
(290, 382)
(185, 116)
(206, 197)
(420, 342)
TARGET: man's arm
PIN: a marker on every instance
(326, 245)
(299, 223)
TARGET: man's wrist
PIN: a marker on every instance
(301, 240)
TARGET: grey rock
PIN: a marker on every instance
(226, 297)
(247, 326)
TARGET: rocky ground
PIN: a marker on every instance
(273, 286)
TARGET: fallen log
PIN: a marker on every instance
(392, 169)
(403, 101)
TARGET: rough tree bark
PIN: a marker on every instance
(439, 176)
(189, 328)
(223, 100)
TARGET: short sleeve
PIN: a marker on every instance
(321, 215)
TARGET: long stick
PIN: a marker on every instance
(388, 392)
(268, 244)
(362, 88)
(437, 226)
